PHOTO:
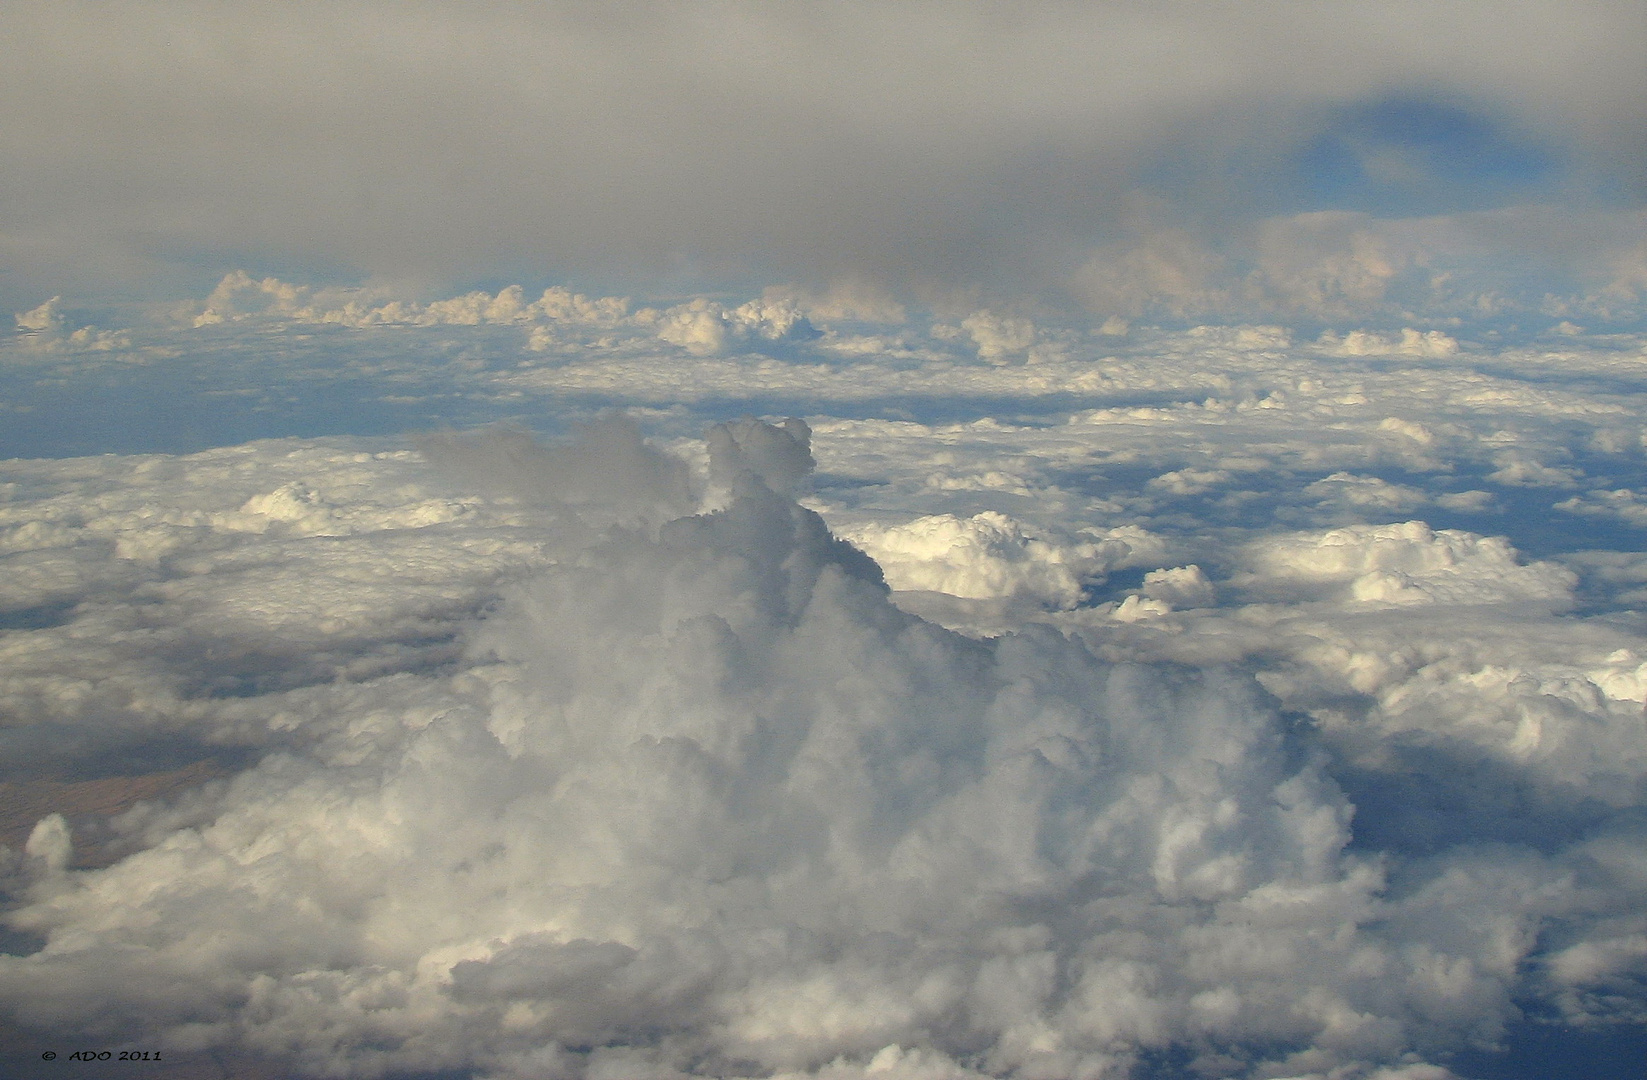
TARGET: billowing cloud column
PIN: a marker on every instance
(700, 799)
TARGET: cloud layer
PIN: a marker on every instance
(555, 777)
(1255, 157)
(1057, 698)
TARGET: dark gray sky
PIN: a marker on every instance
(1108, 156)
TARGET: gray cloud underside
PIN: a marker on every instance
(1110, 156)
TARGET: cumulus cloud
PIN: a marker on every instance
(1164, 591)
(574, 757)
(1366, 492)
(558, 317)
(1620, 503)
(1180, 586)
(661, 791)
(1163, 269)
(989, 556)
(45, 318)
(703, 327)
(1325, 263)
(239, 297)
(1410, 343)
(1405, 564)
(998, 337)
(45, 328)
(626, 816)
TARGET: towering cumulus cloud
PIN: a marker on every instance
(695, 797)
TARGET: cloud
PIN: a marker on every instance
(1621, 503)
(747, 453)
(989, 556)
(1519, 469)
(557, 318)
(609, 475)
(1181, 586)
(594, 764)
(1165, 269)
(239, 297)
(998, 337)
(560, 754)
(1367, 492)
(913, 154)
(686, 791)
(1408, 563)
(42, 319)
(1411, 343)
(45, 329)
(704, 328)
(50, 843)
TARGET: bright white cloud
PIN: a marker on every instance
(1408, 564)
(549, 845)
(1410, 343)
(695, 794)
(589, 759)
(989, 556)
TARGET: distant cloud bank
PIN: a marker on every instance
(1262, 161)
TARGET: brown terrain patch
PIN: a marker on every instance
(88, 804)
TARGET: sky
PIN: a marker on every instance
(923, 542)
(1107, 158)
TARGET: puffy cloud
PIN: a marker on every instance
(845, 300)
(1621, 503)
(239, 296)
(699, 327)
(998, 337)
(1410, 343)
(693, 795)
(989, 556)
(1181, 586)
(1163, 591)
(46, 328)
(1367, 492)
(47, 317)
(1517, 468)
(49, 841)
(703, 327)
(1406, 564)
(747, 452)
(1190, 481)
(642, 771)
(1165, 269)
(1324, 263)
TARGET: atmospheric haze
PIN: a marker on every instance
(1087, 541)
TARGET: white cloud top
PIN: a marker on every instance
(1409, 563)
(988, 556)
(695, 795)
(1102, 696)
